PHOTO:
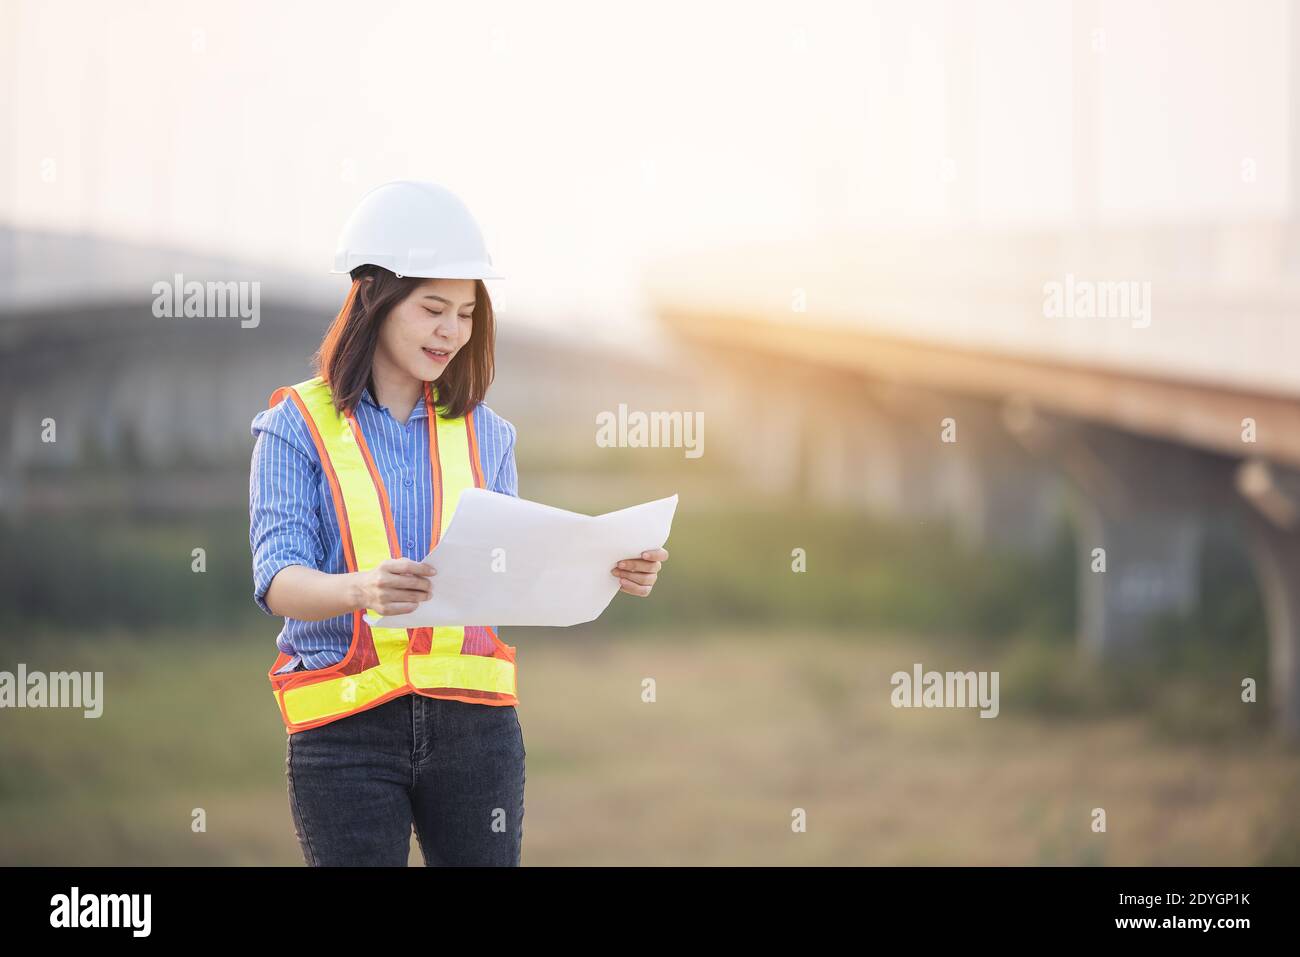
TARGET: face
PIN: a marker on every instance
(425, 330)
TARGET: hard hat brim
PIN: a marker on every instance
(445, 271)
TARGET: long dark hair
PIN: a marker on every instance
(348, 349)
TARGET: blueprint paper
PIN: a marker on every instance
(508, 561)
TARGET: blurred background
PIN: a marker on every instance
(968, 295)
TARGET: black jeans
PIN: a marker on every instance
(453, 771)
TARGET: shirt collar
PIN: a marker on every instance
(419, 412)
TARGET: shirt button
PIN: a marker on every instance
(408, 482)
(410, 543)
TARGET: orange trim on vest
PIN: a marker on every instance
(473, 450)
(435, 467)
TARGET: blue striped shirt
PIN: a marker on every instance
(291, 510)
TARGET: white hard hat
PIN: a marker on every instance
(414, 228)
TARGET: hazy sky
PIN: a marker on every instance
(588, 137)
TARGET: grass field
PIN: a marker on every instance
(772, 689)
(747, 726)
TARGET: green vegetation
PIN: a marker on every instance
(94, 571)
(730, 568)
(773, 694)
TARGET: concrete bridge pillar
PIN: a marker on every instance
(856, 453)
(754, 420)
(1151, 568)
(1274, 534)
(1009, 501)
(842, 440)
(1141, 509)
(993, 492)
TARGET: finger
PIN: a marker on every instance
(641, 578)
(403, 586)
(632, 588)
(397, 608)
(404, 566)
(637, 565)
(406, 581)
(656, 554)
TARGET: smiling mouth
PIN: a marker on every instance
(438, 355)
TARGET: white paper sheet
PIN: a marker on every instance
(509, 561)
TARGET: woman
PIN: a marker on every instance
(355, 475)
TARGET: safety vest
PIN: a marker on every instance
(383, 663)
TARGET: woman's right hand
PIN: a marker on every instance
(393, 587)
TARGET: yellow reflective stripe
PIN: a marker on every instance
(390, 642)
(453, 459)
(360, 497)
(345, 693)
(473, 672)
(457, 475)
(447, 639)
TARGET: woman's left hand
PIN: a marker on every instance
(638, 575)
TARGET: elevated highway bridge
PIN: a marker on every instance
(845, 368)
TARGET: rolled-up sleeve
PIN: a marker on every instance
(507, 477)
(284, 520)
